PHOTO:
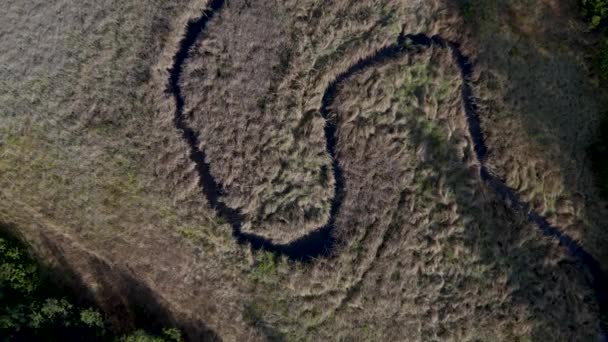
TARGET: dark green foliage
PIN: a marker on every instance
(32, 309)
(17, 271)
(168, 335)
(467, 9)
(595, 11)
(476, 12)
(599, 157)
(30, 305)
(602, 60)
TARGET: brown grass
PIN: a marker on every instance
(89, 158)
(541, 107)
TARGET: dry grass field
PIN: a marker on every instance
(535, 77)
(97, 179)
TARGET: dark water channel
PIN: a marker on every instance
(320, 242)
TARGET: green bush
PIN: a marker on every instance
(92, 318)
(596, 11)
(265, 267)
(17, 272)
(169, 335)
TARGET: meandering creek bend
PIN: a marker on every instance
(319, 243)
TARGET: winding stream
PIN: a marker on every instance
(320, 242)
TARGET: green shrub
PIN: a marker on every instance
(595, 11)
(169, 335)
(265, 268)
(140, 336)
(92, 318)
(17, 271)
(172, 334)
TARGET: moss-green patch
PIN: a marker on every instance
(265, 267)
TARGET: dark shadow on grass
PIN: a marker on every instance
(500, 229)
(496, 232)
(520, 261)
(312, 246)
(127, 303)
(541, 77)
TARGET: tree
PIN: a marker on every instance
(596, 11)
(33, 309)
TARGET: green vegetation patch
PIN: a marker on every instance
(596, 11)
(34, 310)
